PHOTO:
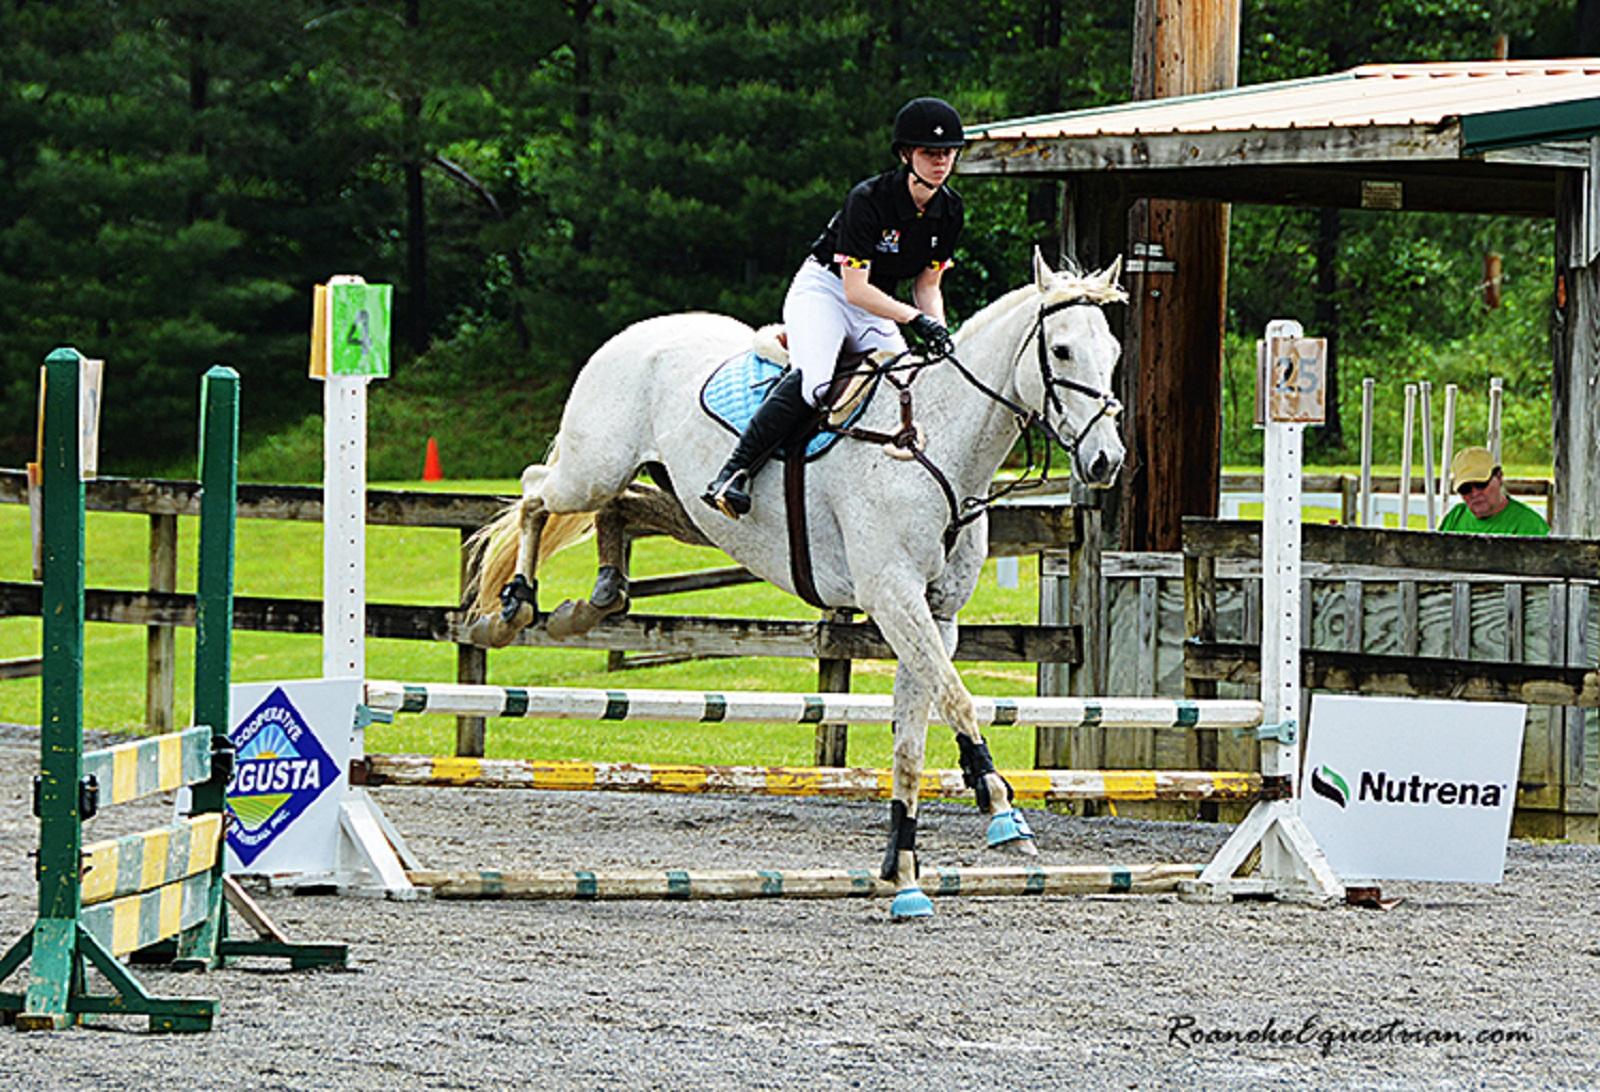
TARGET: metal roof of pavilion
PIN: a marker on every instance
(1442, 126)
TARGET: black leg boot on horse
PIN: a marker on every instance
(783, 415)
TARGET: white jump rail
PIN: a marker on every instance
(559, 703)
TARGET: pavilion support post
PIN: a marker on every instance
(1575, 420)
(1177, 293)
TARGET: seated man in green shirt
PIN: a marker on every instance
(1485, 509)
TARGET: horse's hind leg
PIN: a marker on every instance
(610, 594)
(639, 509)
(518, 595)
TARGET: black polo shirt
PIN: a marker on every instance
(881, 228)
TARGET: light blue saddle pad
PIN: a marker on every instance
(742, 383)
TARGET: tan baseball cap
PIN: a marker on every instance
(1471, 466)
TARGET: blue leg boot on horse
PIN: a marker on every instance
(1007, 825)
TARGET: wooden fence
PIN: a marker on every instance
(1020, 529)
(1414, 614)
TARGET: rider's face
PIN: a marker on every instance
(933, 164)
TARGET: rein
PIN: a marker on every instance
(969, 509)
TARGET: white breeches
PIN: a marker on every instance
(821, 322)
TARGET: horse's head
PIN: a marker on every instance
(1066, 378)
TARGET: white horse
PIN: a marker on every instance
(886, 535)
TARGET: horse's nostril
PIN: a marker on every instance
(1100, 470)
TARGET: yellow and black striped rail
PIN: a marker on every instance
(860, 783)
(147, 766)
(151, 858)
(137, 921)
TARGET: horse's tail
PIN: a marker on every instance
(492, 549)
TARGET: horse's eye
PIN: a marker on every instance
(1062, 353)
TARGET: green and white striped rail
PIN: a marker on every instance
(828, 883)
(849, 782)
(459, 699)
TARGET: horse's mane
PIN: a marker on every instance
(1070, 284)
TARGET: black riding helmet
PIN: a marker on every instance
(927, 123)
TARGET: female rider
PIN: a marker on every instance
(900, 225)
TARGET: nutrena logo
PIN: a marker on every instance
(281, 769)
(1325, 781)
(1382, 787)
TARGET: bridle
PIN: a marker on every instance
(967, 510)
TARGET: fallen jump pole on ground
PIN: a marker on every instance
(768, 707)
(823, 883)
(860, 783)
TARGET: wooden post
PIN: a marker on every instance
(1083, 748)
(1200, 624)
(472, 666)
(833, 677)
(1095, 229)
(1574, 494)
(160, 646)
(1178, 292)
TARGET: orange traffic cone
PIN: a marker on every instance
(431, 470)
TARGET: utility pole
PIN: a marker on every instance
(1178, 265)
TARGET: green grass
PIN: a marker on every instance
(414, 565)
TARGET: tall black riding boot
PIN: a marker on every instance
(783, 415)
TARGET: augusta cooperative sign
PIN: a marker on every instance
(1405, 789)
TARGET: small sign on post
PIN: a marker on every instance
(91, 374)
(1291, 380)
(350, 329)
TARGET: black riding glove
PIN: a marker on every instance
(934, 337)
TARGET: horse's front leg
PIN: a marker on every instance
(1008, 827)
(898, 603)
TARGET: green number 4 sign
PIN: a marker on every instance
(358, 327)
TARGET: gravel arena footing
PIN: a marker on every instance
(1456, 987)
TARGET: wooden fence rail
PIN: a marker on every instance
(1021, 529)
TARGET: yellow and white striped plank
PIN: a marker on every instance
(137, 921)
(823, 883)
(460, 699)
(860, 783)
(150, 859)
(145, 766)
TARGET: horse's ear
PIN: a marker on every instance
(1111, 274)
(1042, 274)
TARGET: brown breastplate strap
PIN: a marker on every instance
(794, 497)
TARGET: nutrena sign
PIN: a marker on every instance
(1406, 789)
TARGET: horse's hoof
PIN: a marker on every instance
(568, 619)
(1010, 829)
(491, 631)
(911, 902)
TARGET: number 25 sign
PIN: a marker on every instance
(1289, 373)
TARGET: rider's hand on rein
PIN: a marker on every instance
(933, 335)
